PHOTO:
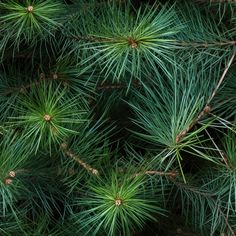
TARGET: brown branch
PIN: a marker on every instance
(23, 88)
(135, 83)
(172, 174)
(207, 107)
(133, 43)
(19, 89)
(226, 160)
(205, 44)
(222, 77)
(78, 159)
(226, 220)
(216, 1)
(209, 196)
(112, 86)
(183, 133)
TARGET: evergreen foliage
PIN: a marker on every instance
(117, 117)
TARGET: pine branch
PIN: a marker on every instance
(216, 1)
(225, 219)
(94, 171)
(75, 157)
(172, 174)
(222, 77)
(182, 134)
(42, 78)
(206, 44)
(209, 196)
(23, 88)
(102, 86)
(56, 76)
(207, 107)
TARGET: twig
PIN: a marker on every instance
(216, 1)
(24, 87)
(173, 174)
(112, 86)
(135, 83)
(205, 44)
(222, 77)
(209, 196)
(207, 107)
(225, 219)
(183, 133)
(77, 159)
(223, 155)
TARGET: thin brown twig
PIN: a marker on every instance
(102, 86)
(205, 44)
(207, 107)
(133, 43)
(111, 86)
(222, 77)
(94, 171)
(225, 220)
(183, 133)
(23, 88)
(172, 174)
(78, 159)
(216, 1)
(209, 196)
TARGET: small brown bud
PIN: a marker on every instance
(95, 172)
(118, 202)
(12, 174)
(8, 181)
(207, 109)
(133, 43)
(64, 146)
(30, 9)
(55, 76)
(47, 117)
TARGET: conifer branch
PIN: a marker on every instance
(225, 220)
(210, 196)
(222, 77)
(102, 86)
(23, 88)
(92, 39)
(111, 86)
(216, 1)
(223, 155)
(172, 174)
(183, 133)
(75, 157)
(206, 44)
(133, 42)
(207, 108)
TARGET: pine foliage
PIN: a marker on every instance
(117, 117)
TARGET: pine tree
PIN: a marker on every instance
(117, 117)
